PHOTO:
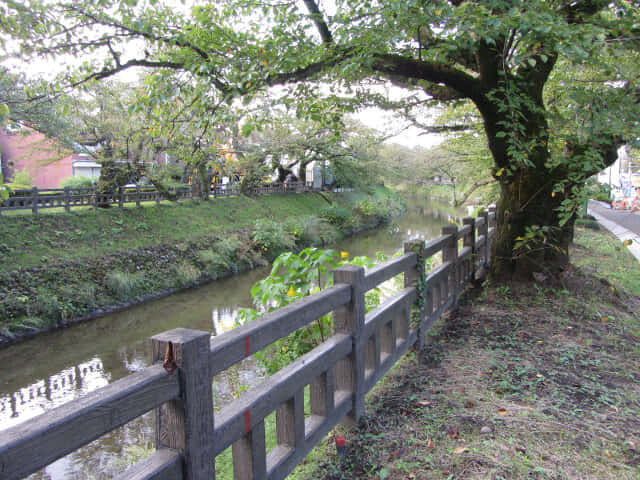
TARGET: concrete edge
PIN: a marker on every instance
(620, 232)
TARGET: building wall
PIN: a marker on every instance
(46, 161)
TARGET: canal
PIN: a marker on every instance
(49, 370)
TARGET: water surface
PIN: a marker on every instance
(49, 370)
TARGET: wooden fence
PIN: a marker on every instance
(339, 372)
(68, 198)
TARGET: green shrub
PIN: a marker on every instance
(293, 277)
(313, 230)
(22, 178)
(186, 274)
(83, 297)
(271, 238)
(125, 285)
(228, 247)
(371, 210)
(13, 306)
(45, 306)
(213, 263)
(336, 214)
(597, 191)
(602, 197)
(77, 182)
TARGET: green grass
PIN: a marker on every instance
(603, 255)
(58, 266)
(29, 240)
(525, 382)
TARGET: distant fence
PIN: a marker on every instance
(338, 372)
(68, 198)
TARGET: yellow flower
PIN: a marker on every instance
(291, 292)
(344, 254)
(284, 349)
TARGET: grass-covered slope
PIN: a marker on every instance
(58, 267)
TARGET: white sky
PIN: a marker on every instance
(384, 121)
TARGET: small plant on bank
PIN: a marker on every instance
(125, 285)
(213, 262)
(186, 274)
(228, 247)
(292, 277)
(312, 230)
(336, 214)
(271, 237)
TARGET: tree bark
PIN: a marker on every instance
(529, 237)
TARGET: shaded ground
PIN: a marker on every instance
(522, 382)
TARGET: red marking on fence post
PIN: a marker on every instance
(246, 346)
(247, 421)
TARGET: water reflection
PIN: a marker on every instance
(45, 394)
(57, 367)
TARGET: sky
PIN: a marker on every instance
(384, 121)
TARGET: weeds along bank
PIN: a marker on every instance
(60, 268)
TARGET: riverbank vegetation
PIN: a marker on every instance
(522, 381)
(554, 87)
(60, 267)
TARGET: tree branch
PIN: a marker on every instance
(318, 19)
(472, 189)
(399, 67)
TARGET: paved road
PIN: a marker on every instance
(625, 225)
(626, 219)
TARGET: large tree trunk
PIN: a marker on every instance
(529, 237)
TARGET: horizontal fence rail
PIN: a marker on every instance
(68, 198)
(337, 373)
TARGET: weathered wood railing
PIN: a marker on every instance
(339, 372)
(68, 198)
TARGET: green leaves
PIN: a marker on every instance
(292, 277)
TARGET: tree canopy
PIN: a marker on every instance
(554, 82)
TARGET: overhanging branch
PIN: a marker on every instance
(318, 19)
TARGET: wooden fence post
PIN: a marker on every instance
(415, 277)
(67, 199)
(137, 195)
(34, 200)
(249, 455)
(186, 424)
(492, 223)
(469, 240)
(484, 231)
(349, 319)
(450, 254)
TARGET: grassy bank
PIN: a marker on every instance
(60, 267)
(522, 382)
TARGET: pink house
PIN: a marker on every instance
(46, 161)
